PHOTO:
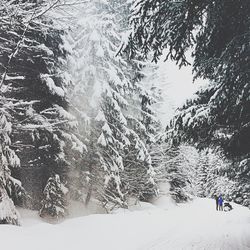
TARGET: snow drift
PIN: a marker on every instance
(195, 225)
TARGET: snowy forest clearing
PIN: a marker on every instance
(195, 225)
(90, 125)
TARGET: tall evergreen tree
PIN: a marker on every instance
(35, 86)
(101, 100)
(10, 188)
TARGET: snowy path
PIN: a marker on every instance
(200, 226)
(191, 226)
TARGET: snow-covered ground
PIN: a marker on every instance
(195, 225)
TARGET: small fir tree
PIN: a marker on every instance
(54, 203)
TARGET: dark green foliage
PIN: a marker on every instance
(219, 31)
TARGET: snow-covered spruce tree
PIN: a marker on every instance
(35, 87)
(213, 175)
(209, 173)
(8, 212)
(94, 66)
(194, 173)
(10, 188)
(241, 176)
(111, 144)
(54, 202)
(142, 118)
(100, 101)
(174, 167)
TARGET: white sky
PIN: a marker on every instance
(177, 85)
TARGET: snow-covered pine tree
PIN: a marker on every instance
(100, 101)
(10, 188)
(175, 166)
(8, 212)
(142, 119)
(54, 202)
(214, 175)
(97, 80)
(111, 144)
(35, 86)
(194, 173)
(241, 175)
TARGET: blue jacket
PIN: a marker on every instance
(220, 201)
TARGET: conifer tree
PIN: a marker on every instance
(103, 86)
(10, 188)
(54, 203)
(35, 87)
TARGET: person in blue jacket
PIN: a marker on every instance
(220, 203)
